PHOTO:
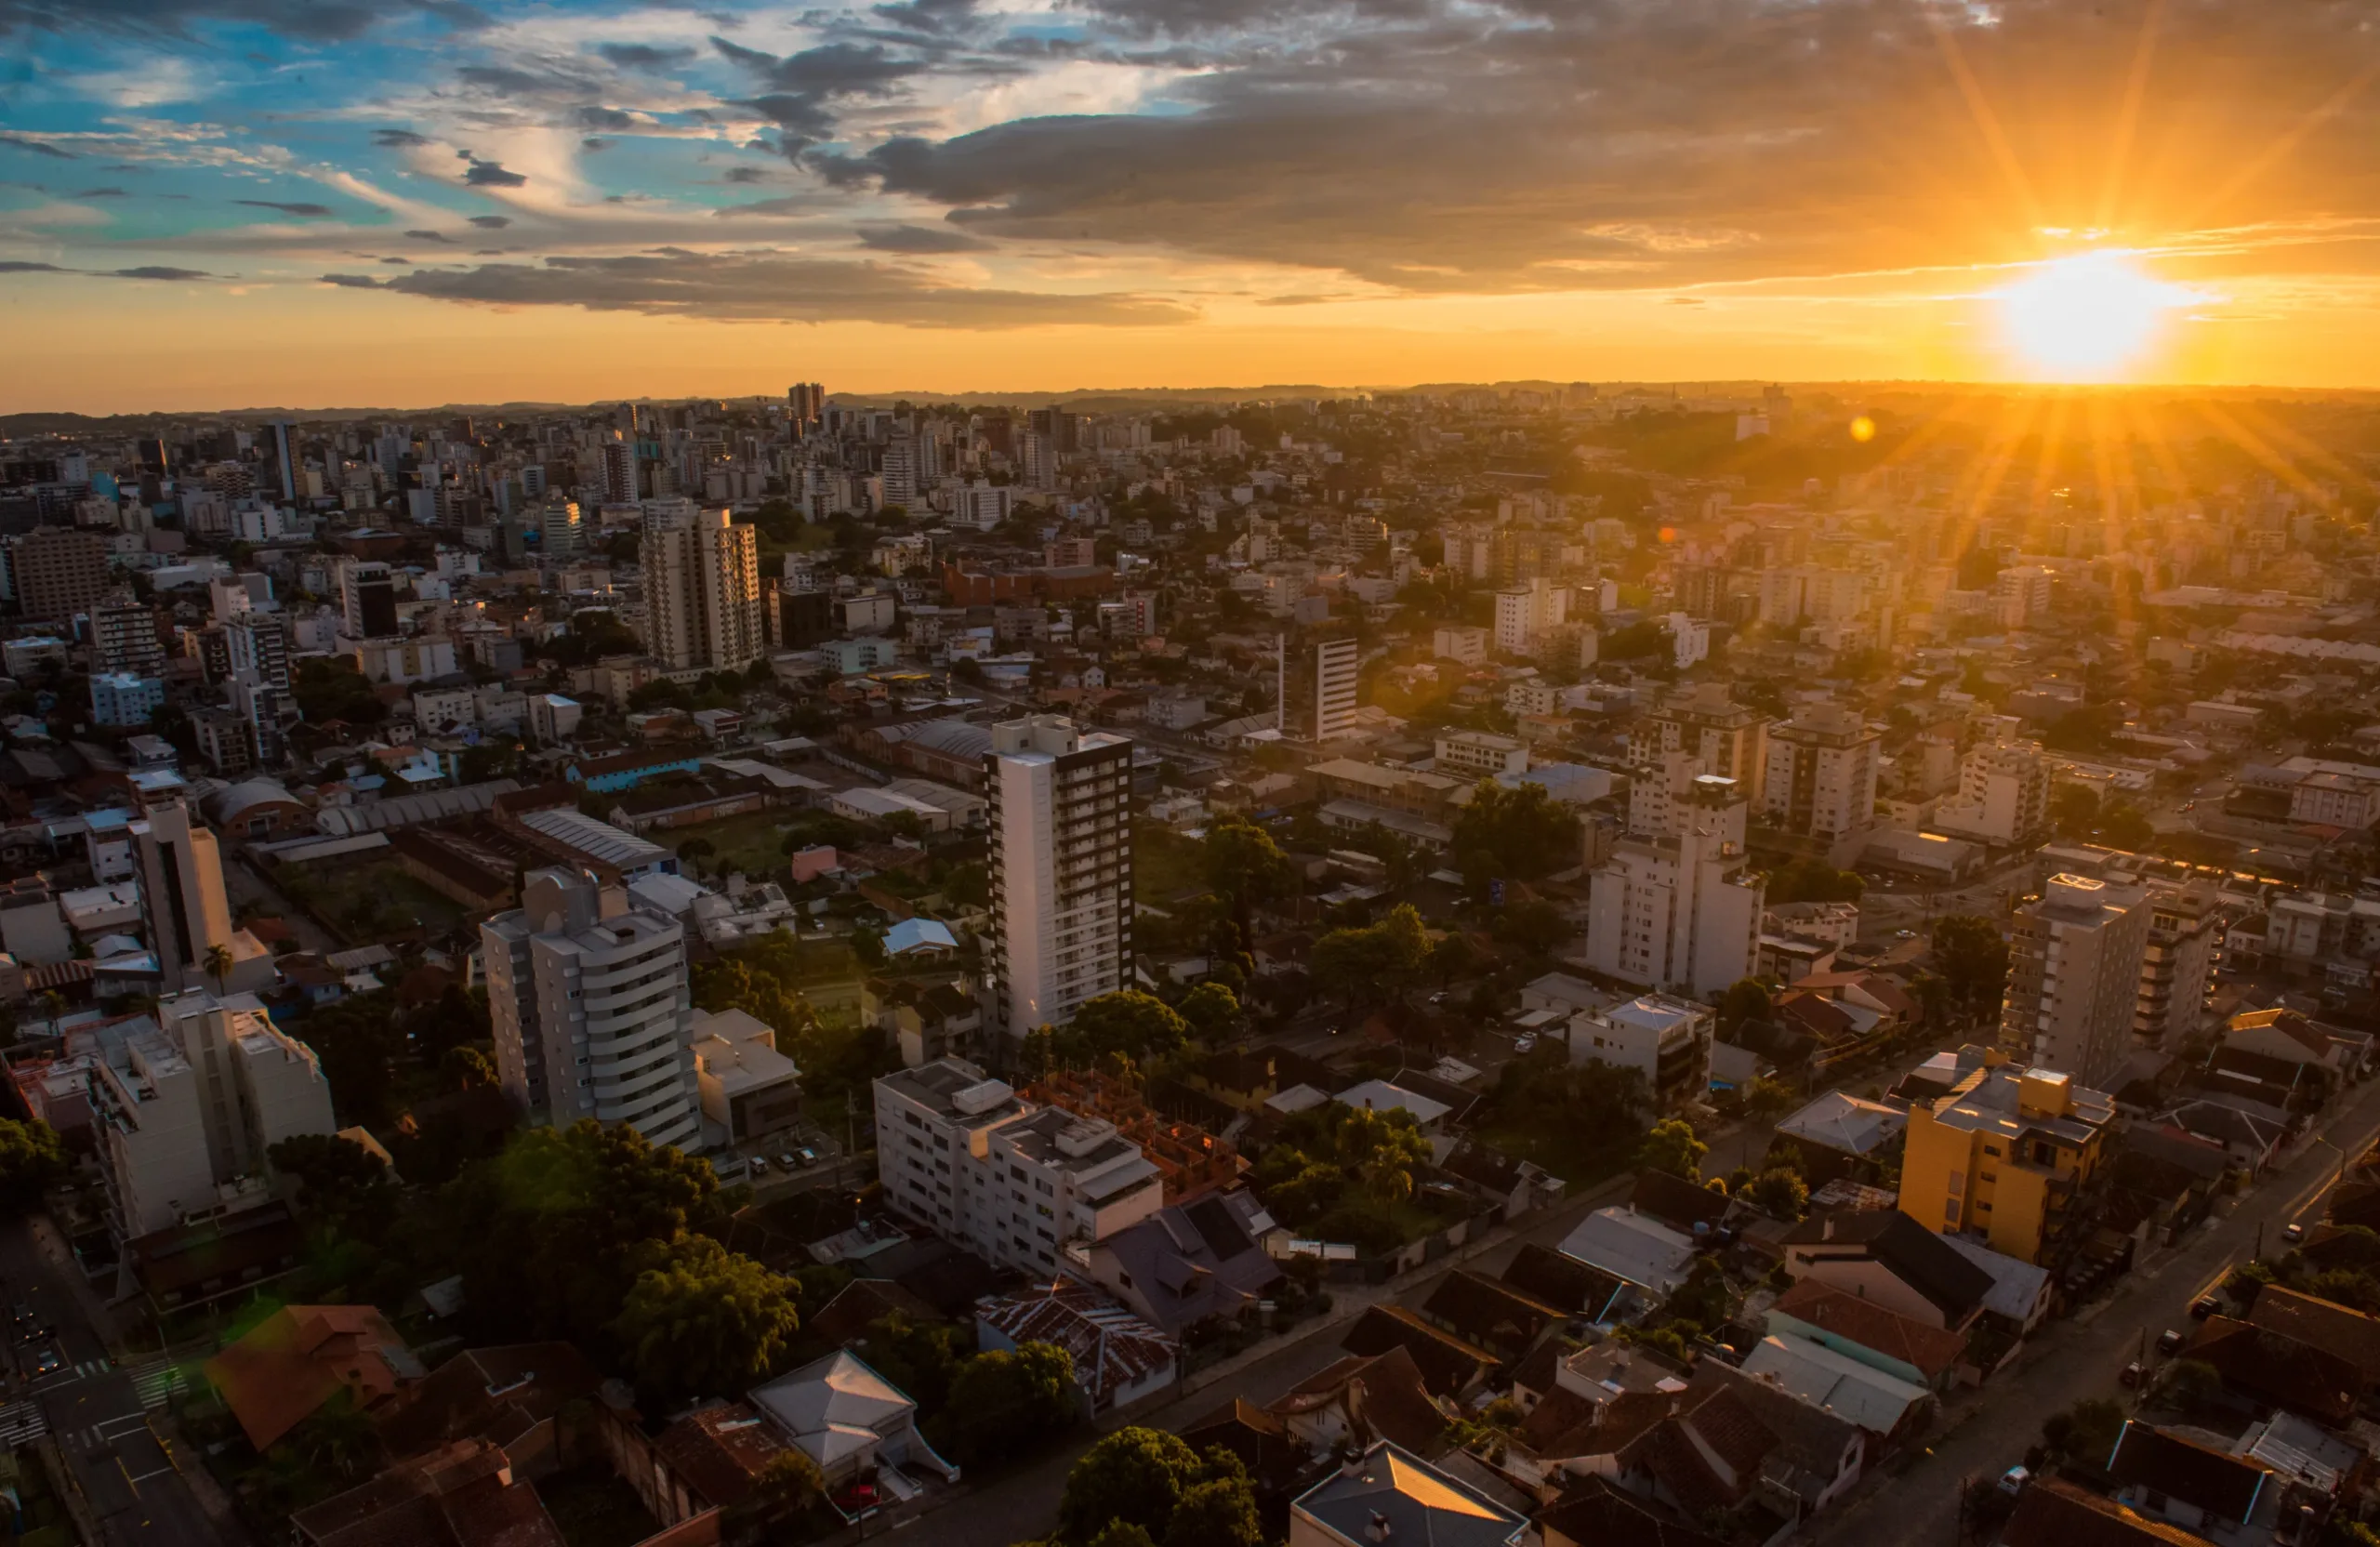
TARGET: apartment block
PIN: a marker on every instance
(1524, 612)
(1464, 646)
(1667, 1040)
(2176, 966)
(124, 640)
(702, 592)
(1680, 909)
(59, 572)
(2074, 970)
(1730, 739)
(1019, 1183)
(591, 1009)
(1821, 776)
(2002, 798)
(1061, 816)
(2002, 1155)
(1317, 689)
(1478, 754)
(186, 1106)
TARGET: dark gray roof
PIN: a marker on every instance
(1195, 1260)
(1922, 1259)
(1419, 1505)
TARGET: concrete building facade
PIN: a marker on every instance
(2074, 970)
(1061, 816)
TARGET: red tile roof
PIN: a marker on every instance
(302, 1356)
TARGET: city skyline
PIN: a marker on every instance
(206, 204)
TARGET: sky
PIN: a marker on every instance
(220, 204)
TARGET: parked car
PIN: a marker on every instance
(2204, 1306)
(2012, 1481)
(759, 1162)
(2170, 1341)
(805, 1157)
(2133, 1374)
(2293, 1232)
(50, 1362)
(1525, 1042)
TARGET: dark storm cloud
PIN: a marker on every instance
(491, 222)
(766, 286)
(308, 21)
(830, 70)
(898, 238)
(643, 56)
(610, 120)
(1457, 145)
(38, 147)
(297, 211)
(490, 173)
(928, 16)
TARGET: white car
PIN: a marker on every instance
(2012, 1481)
(1525, 1042)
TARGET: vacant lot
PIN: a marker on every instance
(369, 903)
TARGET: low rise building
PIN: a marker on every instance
(2005, 1157)
(1667, 1040)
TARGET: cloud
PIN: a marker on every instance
(18, 266)
(491, 222)
(643, 55)
(102, 193)
(829, 69)
(490, 173)
(397, 140)
(592, 144)
(768, 286)
(428, 236)
(154, 270)
(928, 16)
(297, 211)
(38, 147)
(746, 174)
(610, 119)
(790, 204)
(898, 238)
(308, 21)
(1296, 300)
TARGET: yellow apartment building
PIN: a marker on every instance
(2000, 1157)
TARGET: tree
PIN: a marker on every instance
(1219, 1513)
(696, 850)
(2121, 825)
(2074, 810)
(31, 1158)
(1814, 880)
(1373, 964)
(218, 964)
(921, 1358)
(787, 1487)
(1536, 927)
(465, 1070)
(1241, 860)
(1745, 999)
(338, 1439)
(2086, 1431)
(2192, 1385)
(1211, 1009)
(1002, 1403)
(1138, 1478)
(1974, 961)
(705, 1321)
(1767, 1099)
(342, 1180)
(1780, 1193)
(1517, 834)
(1136, 1024)
(1452, 956)
(1672, 1147)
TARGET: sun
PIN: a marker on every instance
(2087, 318)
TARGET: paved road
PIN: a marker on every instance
(2076, 1358)
(96, 1410)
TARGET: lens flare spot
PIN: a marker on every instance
(1863, 429)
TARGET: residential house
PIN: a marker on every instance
(2277, 1369)
(1840, 1135)
(1901, 1346)
(1118, 1358)
(1737, 1440)
(1450, 1367)
(848, 1419)
(1390, 1495)
(2165, 1475)
(1635, 1249)
(1489, 1314)
(1541, 1273)
(301, 1356)
(1187, 1264)
(1360, 1399)
(1594, 1513)
(1884, 1256)
(461, 1495)
(2053, 1513)
(2324, 1324)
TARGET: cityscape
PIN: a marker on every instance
(1163, 774)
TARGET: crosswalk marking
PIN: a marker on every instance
(21, 1423)
(89, 1367)
(158, 1383)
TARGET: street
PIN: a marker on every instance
(2079, 1356)
(98, 1413)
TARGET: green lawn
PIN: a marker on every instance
(370, 902)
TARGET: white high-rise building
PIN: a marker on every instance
(1821, 779)
(1317, 692)
(1061, 816)
(591, 1009)
(183, 909)
(2003, 797)
(900, 471)
(186, 1108)
(561, 532)
(981, 506)
(966, 1157)
(2074, 978)
(1680, 909)
(702, 592)
(1524, 612)
(1730, 739)
(2177, 964)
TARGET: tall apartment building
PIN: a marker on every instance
(561, 528)
(616, 464)
(1061, 816)
(124, 640)
(183, 909)
(2000, 1158)
(59, 572)
(1317, 686)
(1680, 909)
(2003, 797)
(806, 403)
(367, 600)
(1730, 739)
(2074, 969)
(591, 1009)
(1018, 1183)
(257, 644)
(288, 467)
(1821, 777)
(2177, 965)
(1524, 612)
(899, 471)
(186, 1110)
(702, 592)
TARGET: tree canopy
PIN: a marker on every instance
(1972, 959)
(1148, 1481)
(704, 1321)
(31, 1158)
(1374, 963)
(1518, 834)
(1672, 1147)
